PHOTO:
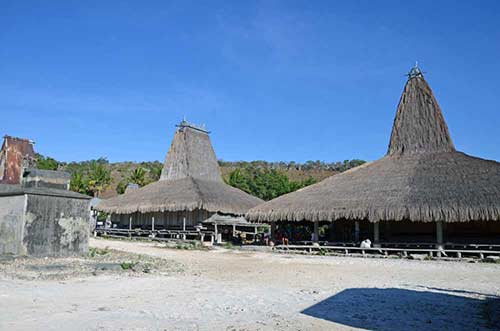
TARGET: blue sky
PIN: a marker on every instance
(272, 80)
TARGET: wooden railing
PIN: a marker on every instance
(385, 251)
(158, 235)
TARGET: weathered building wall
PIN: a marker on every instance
(46, 178)
(14, 154)
(12, 224)
(56, 225)
(165, 220)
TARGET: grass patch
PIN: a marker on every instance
(93, 252)
(228, 245)
(127, 265)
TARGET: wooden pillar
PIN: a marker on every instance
(273, 230)
(376, 234)
(316, 231)
(439, 235)
(152, 223)
(216, 234)
(331, 237)
(130, 223)
(184, 223)
(388, 231)
(234, 230)
(356, 231)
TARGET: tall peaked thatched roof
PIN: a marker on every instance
(419, 125)
(191, 155)
(190, 180)
(422, 177)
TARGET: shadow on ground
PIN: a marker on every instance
(400, 309)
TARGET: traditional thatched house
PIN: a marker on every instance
(422, 190)
(189, 191)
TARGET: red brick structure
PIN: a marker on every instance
(14, 155)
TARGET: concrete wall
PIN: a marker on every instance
(46, 178)
(56, 226)
(12, 224)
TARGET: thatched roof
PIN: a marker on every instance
(191, 155)
(226, 220)
(190, 180)
(422, 177)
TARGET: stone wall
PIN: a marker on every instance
(56, 226)
(12, 224)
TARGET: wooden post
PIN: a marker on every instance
(332, 235)
(216, 234)
(152, 223)
(439, 235)
(234, 230)
(356, 231)
(316, 231)
(184, 224)
(376, 234)
(130, 223)
(388, 232)
(273, 230)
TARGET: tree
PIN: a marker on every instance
(79, 183)
(99, 178)
(239, 178)
(138, 176)
(266, 184)
(155, 171)
(122, 186)
(46, 163)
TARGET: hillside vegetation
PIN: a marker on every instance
(266, 180)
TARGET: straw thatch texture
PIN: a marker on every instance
(182, 194)
(191, 155)
(422, 178)
(190, 180)
(419, 125)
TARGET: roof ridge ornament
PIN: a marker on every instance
(415, 72)
(185, 124)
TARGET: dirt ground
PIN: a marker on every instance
(143, 286)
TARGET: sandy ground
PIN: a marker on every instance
(236, 290)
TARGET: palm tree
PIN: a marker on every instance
(138, 176)
(78, 183)
(99, 178)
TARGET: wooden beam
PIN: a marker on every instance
(316, 231)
